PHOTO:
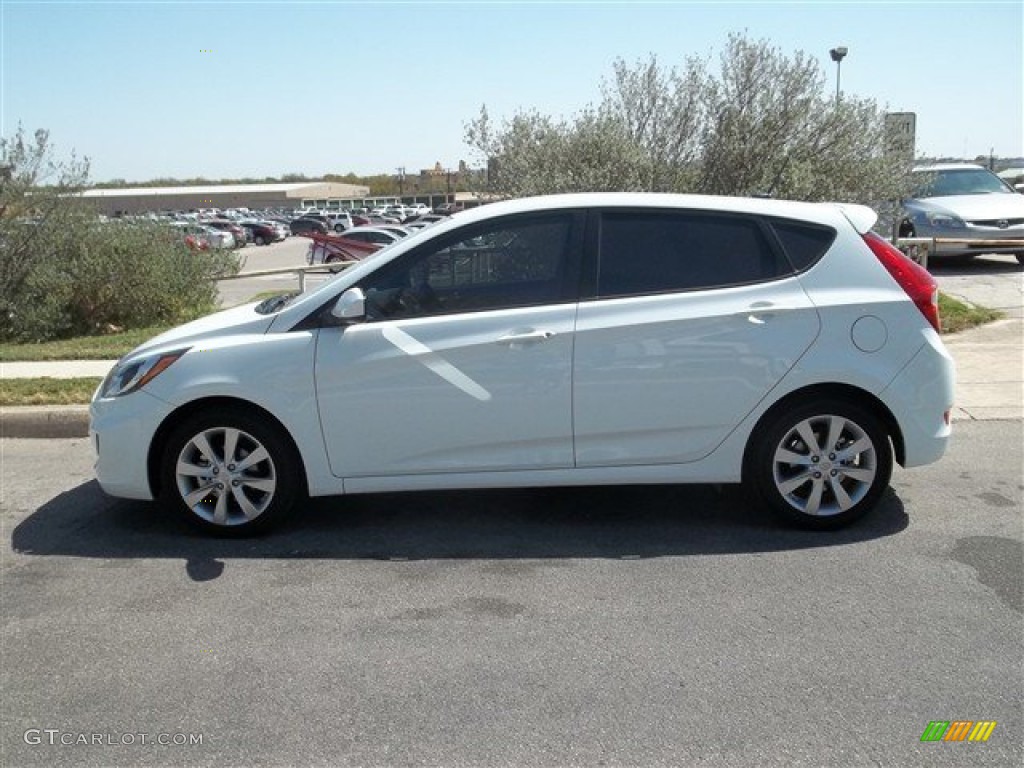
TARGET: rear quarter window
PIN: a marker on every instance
(802, 242)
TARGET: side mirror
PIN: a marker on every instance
(350, 306)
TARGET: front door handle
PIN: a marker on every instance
(518, 340)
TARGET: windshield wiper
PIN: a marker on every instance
(274, 303)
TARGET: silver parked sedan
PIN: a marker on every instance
(968, 203)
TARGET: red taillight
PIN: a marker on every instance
(912, 277)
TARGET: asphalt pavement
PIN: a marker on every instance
(627, 626)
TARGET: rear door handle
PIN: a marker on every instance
(761, 312)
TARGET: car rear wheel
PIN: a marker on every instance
(822, 465)
(229, 473)
(259, 240)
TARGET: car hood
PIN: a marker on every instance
(238, 320)
(974, 207)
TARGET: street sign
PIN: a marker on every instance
(901, 133)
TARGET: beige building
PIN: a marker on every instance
(315, 194)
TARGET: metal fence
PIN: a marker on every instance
(301, 271)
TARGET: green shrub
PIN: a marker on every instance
(86, 276)
(65, 273)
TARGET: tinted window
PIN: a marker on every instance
(658, 252)
(966, 181)
(508, 263)
(804, 243)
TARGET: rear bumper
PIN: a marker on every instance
(921, 397)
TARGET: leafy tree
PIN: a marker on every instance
(38, 208)
(770, 129)
(762, 124)
(663, 111)
(534, 155)
(64, 271)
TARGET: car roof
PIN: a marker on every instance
(948, 167)
(824, 212)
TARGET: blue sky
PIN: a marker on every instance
(332, 87)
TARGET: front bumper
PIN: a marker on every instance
(121, 430)
(976, 239)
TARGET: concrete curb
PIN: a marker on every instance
(43, 421)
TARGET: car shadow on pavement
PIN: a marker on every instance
(629, 522)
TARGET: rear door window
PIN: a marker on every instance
(645, 252)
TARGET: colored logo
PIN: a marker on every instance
(958, 730)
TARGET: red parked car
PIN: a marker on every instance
(337, 249)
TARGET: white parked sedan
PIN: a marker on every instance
(564, 340)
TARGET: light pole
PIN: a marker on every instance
(838, 54)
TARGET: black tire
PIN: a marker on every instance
(336, 261)
(250, 499)
(339, 228)
(259, 240)
(822, 486)
(1020, 258)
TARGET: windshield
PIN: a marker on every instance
(966, 181)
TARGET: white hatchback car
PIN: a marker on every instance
(564, 340)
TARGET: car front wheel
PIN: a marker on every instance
(229, 473)
(821, 465)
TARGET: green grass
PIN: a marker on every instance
(47, 391)
(109, 347)
(957, 316)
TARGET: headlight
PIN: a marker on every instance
(945, 220)
(128, 376)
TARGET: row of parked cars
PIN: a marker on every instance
(323, 222)
(214, 229)
(224, 231)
